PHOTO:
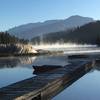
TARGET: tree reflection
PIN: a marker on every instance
(11, 62)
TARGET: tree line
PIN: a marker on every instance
(6, 38)
(89, 33)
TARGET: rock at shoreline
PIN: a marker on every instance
(16, 49)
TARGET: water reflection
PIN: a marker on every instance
(10, 62)
(87, 87)
(51, 60)
(13, 69)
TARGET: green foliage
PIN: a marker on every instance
(6, 38)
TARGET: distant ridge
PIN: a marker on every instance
(86, 34)
(31, 30)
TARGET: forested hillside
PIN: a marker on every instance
(89, 33)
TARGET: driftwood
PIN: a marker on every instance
(97, 61)
(45, 68)
(78, 56)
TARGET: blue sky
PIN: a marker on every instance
(17, 12)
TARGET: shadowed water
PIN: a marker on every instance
(86, 88)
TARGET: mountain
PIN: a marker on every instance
(30, 30)
(88, 33)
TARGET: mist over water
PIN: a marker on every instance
(69, 48)
(63, 45)
(13, 69)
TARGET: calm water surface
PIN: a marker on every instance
(86, 88)
(14, 69)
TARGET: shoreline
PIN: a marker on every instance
(47, 85)
(31, 54)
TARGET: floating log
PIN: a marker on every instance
(45, 68)
(78, 56)
(48, 85)
(97, 61)
(41, 51)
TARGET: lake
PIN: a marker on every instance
(14, 69)
(86, 88)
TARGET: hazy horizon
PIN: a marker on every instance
(18, 12)
(24, 23)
